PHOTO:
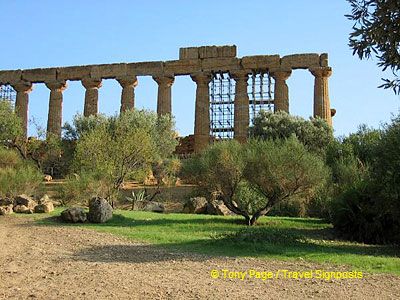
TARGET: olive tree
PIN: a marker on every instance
(219, 169)
(280, 170)
(273, 170)
(376, 31)
(315, 133)
(117, 146)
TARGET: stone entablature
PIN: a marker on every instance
(198, 62)
(185, 66)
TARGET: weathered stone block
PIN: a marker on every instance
(300, 61)
(323, 60)
(208, 52)
(227, 51)
(73, 73)
(108, 71)
(74, 215)
(39, 75)
(145, 68)
(100, 211)
(220, 64)
(182, 67)
(10, 76)
(196, 205)
(189, 53)
(261, 62)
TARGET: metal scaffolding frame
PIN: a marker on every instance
(222, 94)
(222, 97)
(8, 93)
(260, 91)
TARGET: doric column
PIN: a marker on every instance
(202, 111)
(164, 94)
(322, 107)
(23, 89)
(241, 106)
(91, 96)
(54, 120)
(281, 90)
(128, 84)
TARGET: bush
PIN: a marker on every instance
(363, 214)
(364, 143)
(10, 124)
(253, 178)
(110, 150)
(281, 170)
(20, 179)
(78, 189)
(9, 158)
(367, 207)
(315, 134)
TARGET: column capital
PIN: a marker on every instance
(321, 71)
(22, 86)
(201, 78)
(167, 80)
(280, 74)
(91, 83)
(128, 81)
(56, 85)
(240, 75)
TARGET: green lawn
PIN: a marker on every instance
(274, 237)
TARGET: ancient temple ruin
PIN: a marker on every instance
(225, 95)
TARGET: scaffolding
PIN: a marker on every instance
(222, 94)
(222, 97)
(260, 91)
(8, 93)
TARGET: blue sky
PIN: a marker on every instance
(61, 33)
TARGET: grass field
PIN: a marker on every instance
(273, 238)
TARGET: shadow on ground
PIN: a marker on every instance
(221, 237)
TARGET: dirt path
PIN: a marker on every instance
(69, 263)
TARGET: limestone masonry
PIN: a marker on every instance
(198, 62)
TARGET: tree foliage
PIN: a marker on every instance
(253, 178)
(114, 147)
(282, 169)
(376, 30)
(10, 124)
(315, 134)
(367, 207)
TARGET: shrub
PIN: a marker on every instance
(253, 178)
(20, 179)
(78, 189)
(364, 143)
(9, 158)
(114, 148)
(315, 134)
(363, 214)
(282, 170)
(10, 124)
(367, 208)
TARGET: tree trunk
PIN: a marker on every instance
(258, 214)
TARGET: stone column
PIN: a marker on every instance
(54, 120)
(322, 107)
(202, 111)
(128, 84)
(241, 106)
(23, 89)
(91, 96)
(281, 90)
(164, 94)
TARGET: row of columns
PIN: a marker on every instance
(202, 112)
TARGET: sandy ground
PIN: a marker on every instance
(45, 262)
